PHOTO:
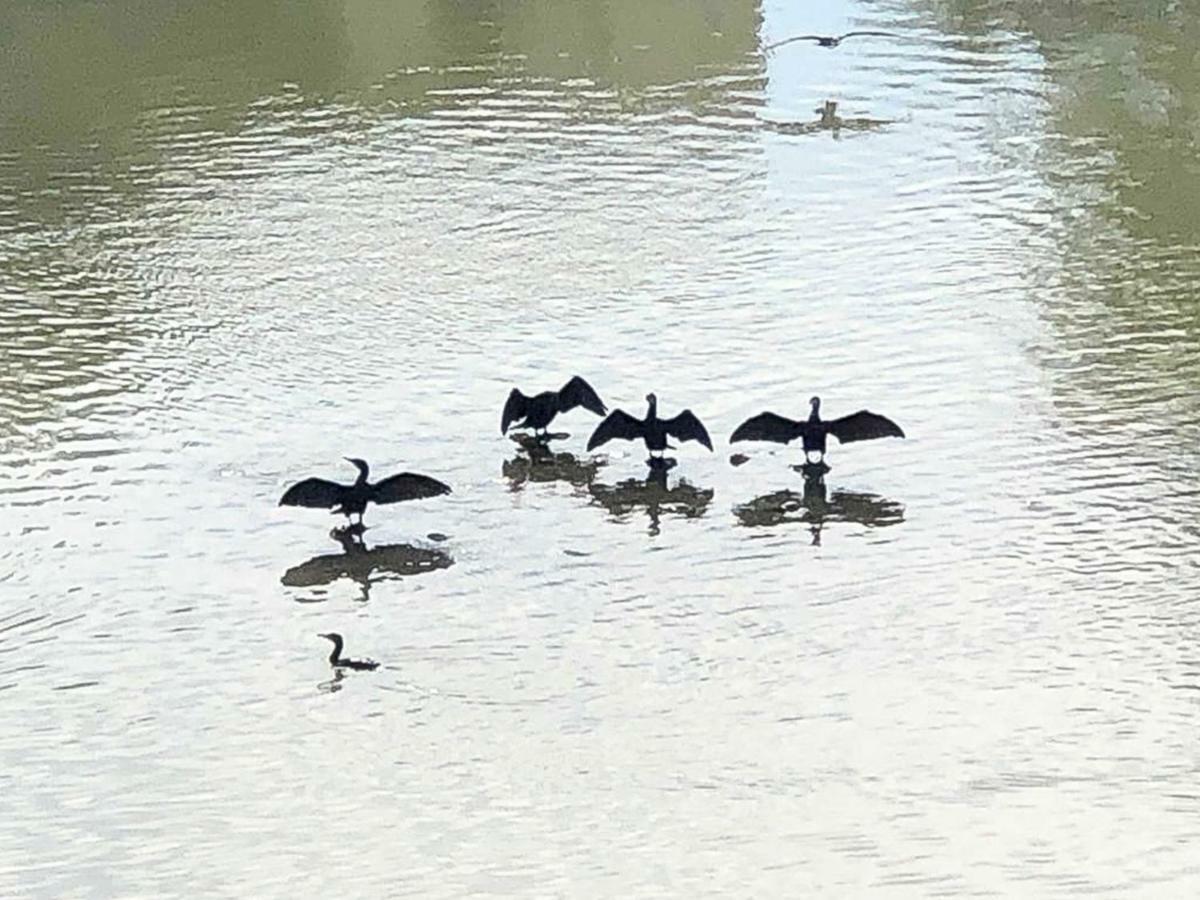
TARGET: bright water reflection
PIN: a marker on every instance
(241, 241)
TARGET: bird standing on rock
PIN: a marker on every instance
(353, 498)
(538, 411)
(653, 430)
(859, 426)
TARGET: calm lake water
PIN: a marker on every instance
(239, 242)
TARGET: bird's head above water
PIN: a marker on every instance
(652, 400)
(815, 403)
(333, 636)
(359, 464)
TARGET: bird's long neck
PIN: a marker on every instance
(815, 415)
(363, 471)
(652, 410)
(337, 650)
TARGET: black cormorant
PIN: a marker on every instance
(539, 411)
(653, 430)
(825, 40)
(859, 426)
(348, 499)
(335, 658)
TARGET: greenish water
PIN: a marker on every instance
(241, 241)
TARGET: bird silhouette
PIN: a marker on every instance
(335, 658)
(653, 430)
(538, 411)
(859, 426)
(353, 498)
(825, 40)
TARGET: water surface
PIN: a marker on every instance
(241, 243)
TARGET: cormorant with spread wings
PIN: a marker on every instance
(353, 498)
(859, 426)
(538, 411)
(653, 430)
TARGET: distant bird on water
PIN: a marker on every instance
(353, 498)
(335, 658)
(538, 411)
(653, 430)
(859, 426)
(830, 41)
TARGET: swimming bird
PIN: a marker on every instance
(335, 658)
(653, 430)
(830, 41)
(859, 426)
(348, 499)
(539, 410)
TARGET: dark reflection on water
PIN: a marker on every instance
(364, 565)
(334, 684)
(652, 496)
(816, 506)
(828, 119)
(540, 463)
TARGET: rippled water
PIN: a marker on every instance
(242, 243)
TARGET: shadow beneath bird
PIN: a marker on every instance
(827, 120)
(540, 464)
(363, 565)
(537, 444)
(652, 494)
(334, 684)
(815, 506)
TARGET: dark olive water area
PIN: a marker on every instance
(241, 241)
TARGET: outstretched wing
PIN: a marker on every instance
(578, 392)
(314, 492)
(850, 34)
(863, 426)
(619, 424)
(767, 427)
(686, 427)
(800, 37)
(407, 486)
(514, 409)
